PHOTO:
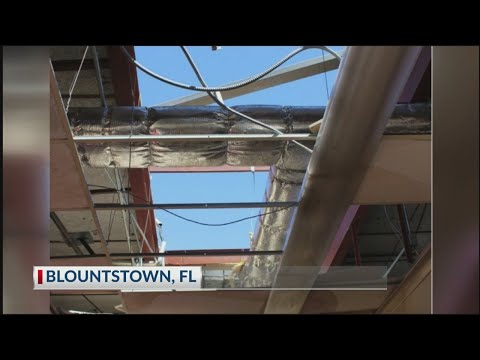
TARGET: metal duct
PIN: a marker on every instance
(112, 121)
(353, 126)
(197, 120)
(288, 160)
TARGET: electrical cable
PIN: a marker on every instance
(92, 303)
(74, 81)
(198, 222)
(325, 73)
(234, 86)
(227, 223)
(399, 240)
(111, 219)
(222, 104)
(395, 231)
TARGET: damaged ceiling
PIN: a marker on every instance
(378, 239)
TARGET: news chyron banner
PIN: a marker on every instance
(117, 278)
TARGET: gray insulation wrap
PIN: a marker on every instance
(169, 120)
(288, 161)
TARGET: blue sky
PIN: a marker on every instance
(219, 67)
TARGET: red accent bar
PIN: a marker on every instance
(141, 189)
(40, 277)
(124, 79)
(340, 246)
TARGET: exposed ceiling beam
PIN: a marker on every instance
(102, 139)
(72, 65)
(127, 93)
(280, 76)
(86, 96)
(341, 237)
(417, 274)
(208, 169)
(106, 191)
(240, 205)
(70, 167)
(65, 235)
(183, 253)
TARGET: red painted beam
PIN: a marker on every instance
(207, 169)
(141, 191)
(344, 238)
(124, 77)
(125, 85)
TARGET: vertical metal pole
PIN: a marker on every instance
(356, 248)
(405, 227)
(98, 74)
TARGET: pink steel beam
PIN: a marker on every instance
(416, 76)
(125, 84)
(341, 236)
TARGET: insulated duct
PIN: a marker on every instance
(168, 120)
(288, 161)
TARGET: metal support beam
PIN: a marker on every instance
(65, 235)
(106, 191)
(406, 233)
(280, 76)
(356, 247)
(419, 273)
(58, 116)
(98, 75)
(192, 138)
(86, 246)
(184, 253)
(125, 85)
(208, 169)
(244, 205)
(339, 247)
(72, 65)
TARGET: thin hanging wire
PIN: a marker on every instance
(74, 81)
(325, 73)
(115, 197)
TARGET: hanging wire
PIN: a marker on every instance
(224, 106)
(397, 232)
(236, 85)
(74, 81)
(325, 73)
(112, 217)
(194, 221)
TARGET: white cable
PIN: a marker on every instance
(74, 82)
(124, 215)
(393, 264)
(394, 228)
(132, 218)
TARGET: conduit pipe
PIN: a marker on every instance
(369, 83)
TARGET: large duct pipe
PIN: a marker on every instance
(182, 122)
(369, 83)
